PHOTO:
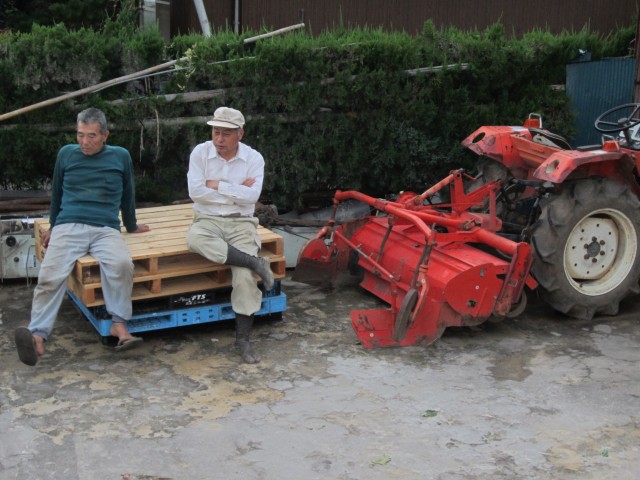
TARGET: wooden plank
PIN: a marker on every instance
(141, 276)
(92, 297)
(166, 267)
(39, 225)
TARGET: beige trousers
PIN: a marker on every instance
(210, 237)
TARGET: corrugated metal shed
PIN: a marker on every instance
(595, 87)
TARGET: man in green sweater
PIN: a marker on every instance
(92, 183)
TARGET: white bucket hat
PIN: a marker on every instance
(226, 117)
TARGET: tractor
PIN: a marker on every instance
(537, 216)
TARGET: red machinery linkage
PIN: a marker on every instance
(424, 261)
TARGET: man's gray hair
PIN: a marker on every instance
(93, 115)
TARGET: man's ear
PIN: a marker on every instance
(106, 135)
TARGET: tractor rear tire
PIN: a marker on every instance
(585, 248)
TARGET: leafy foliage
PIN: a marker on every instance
(342, 110)
(22, 15)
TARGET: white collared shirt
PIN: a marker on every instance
(231, 197)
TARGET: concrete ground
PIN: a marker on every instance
(540, 397)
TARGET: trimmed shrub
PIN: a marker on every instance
(343, 110)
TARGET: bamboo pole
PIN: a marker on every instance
(126, 78)
(99, 86)
(274, 33)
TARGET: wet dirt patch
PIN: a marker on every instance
(512, 367)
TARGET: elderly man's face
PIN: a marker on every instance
(226, 141)
(90, 138)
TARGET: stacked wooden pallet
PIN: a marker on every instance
(163, 265)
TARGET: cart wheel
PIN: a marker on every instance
(517, 310)
(404, 315)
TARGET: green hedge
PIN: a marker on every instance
(335, 111)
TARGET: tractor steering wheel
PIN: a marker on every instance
(613, 125)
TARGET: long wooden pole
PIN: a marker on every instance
(93, 88)
(126, 78)
(636, 46)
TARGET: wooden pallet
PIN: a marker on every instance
(163, 265)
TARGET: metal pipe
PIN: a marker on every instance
(236, 16)
(384, 206)
(202, 16)
(417, 217)
(365, 257)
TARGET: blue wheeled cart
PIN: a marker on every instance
(181, 310)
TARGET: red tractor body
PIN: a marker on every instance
(533, 153)
(538, 215)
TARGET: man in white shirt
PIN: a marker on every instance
(225, 180)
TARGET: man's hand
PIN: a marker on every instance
(248, 182)
(142, 228)
(45, 237)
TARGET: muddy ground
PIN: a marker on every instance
(541, 397)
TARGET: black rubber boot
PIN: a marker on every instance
(259, 265)
(243, 344)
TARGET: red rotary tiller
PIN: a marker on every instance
(429, 262)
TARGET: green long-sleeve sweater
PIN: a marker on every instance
(93, 189)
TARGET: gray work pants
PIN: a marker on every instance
(70, 241)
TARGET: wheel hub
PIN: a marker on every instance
(592, 248)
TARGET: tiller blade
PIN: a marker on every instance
(431, 277)
(316, 265)
(323, 257)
